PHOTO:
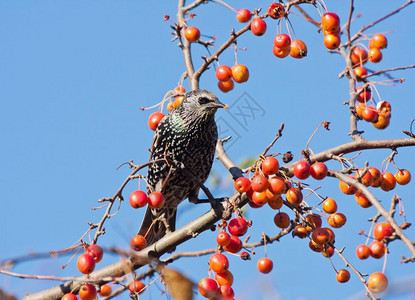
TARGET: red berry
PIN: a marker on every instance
(242, 184)
(377, 249)
(136, 287)
(243, 15)
(259, 183)
(370, 114)
(224, 73)
(343, 276)
(95, 251)
(208, 287)
(223, 238)
(281, 52)
(270, 165)
(362, 252)
(276, 10)
(364, 95)
(258, 27)
(155, 200)
(383, 230)
(138, 199)
(276, 185)
(302, 170)
(192, 34)
(218, 263)
(85, 263)
(138, 242)
(282, 41)
(235, 245)
(238, 226)
(318, 170)
(226, 86)
(265, 265)
(154, 120)
(227, 291)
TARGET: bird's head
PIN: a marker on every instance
(200, 103)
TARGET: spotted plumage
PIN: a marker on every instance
(188, 136)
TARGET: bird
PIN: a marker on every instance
(188, 137)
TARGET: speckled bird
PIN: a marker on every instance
(187, 135)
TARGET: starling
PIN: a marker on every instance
(187, 136)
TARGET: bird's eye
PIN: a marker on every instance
(203, 100)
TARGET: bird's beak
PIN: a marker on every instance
(220, 104)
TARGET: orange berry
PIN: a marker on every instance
(298, 49)
(192, 34)
(105, 290)
(382, 122)
(294, 196)
(366, 179)
(240, 73)
(331, 41)
(330, 206)
(362, 200)
(343, 276)
(378, 41)
(377, 177)
(337, 220)
(375, 55)
(347, 189)
(403, 176)
(389, 182)
(330, 22)
(320, 236)
(226, 86)
(360, 72)
(358, 56)
(377, 282)
(87, 292)
(224, 278)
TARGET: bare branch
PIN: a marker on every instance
(388, 70)
(359, 33)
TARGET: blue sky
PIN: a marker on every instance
(73, 75)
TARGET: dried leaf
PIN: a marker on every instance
(326, 125)
(287, 157)
(178, 286)
(405, 225)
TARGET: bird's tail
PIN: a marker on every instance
(158, 229)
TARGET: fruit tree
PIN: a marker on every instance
(310, 194)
